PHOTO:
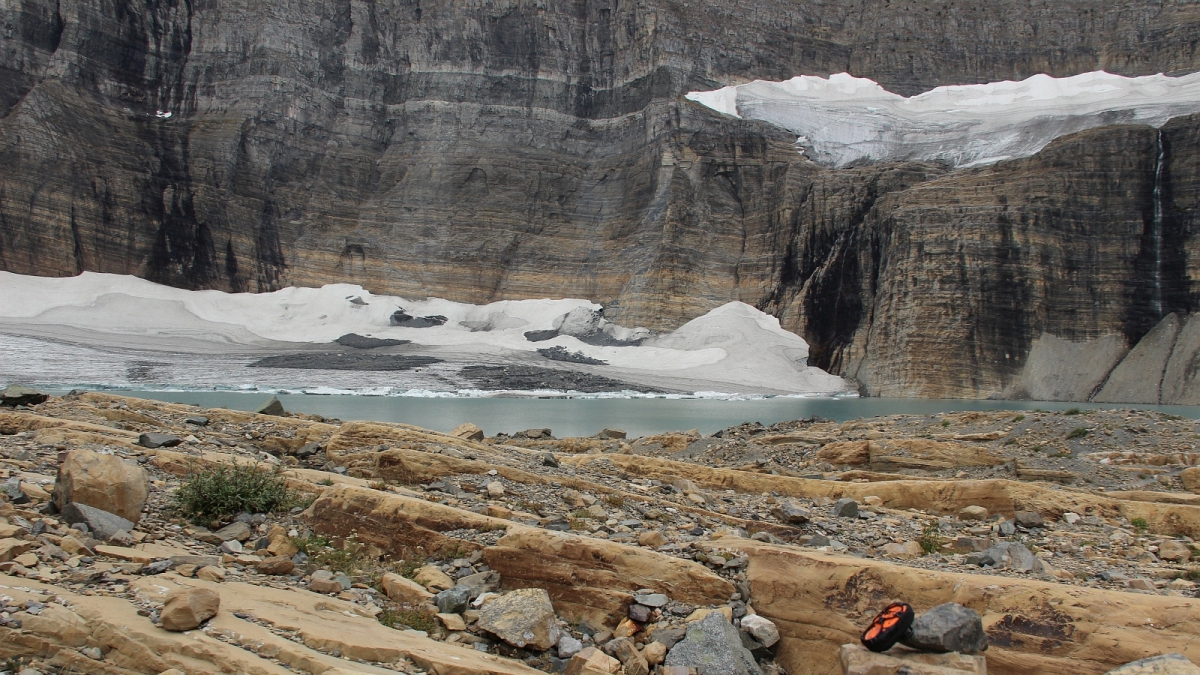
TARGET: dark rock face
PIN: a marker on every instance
(491, 152)
(949, 627)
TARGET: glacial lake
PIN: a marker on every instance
(587, 416)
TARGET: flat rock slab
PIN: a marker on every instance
(1164, 664)
(856, 660)
(713, 645)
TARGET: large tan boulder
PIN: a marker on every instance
(523, 618)
(1191, 479)
(906, 453)
(592, 661)
(1163, 664)
(820, 601)
(856, 660)
(187, 608)
(401, 589)
(105, 482)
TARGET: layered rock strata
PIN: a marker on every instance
(488, 152)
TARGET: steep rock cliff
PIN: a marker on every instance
(483, 151)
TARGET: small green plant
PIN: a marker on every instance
(400, 619)
(1036, 448)
(1019, 418)
(311, 544)
(615, 500)
(1140, 524)
(378, 485)
(931, 540)
(327, 481)
(215, 493)
(408, 567)
(945, 423)
(1193, 573)
(581, 514)
(1077, 432)
(1072, 411)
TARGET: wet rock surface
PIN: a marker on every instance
(533, 378)
(348, 361)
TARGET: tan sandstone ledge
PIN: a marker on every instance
(132, 644)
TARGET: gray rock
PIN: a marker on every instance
(308, 450)
(762, 629)
(233, 547)
(272, 407)
(650, 598)
(845, 508)
(612, 434)
(344, 580)
(11, 489)
(949, 627)
(568, 646)
(817, 541)
(522, 618)
(480, 582)
(155, 440)
(712, 645)
(102, 524)
(197, 560)
(792, 513)
(640, 613)
(1029, 519)
(235, 530)
(1007, 528)
(550, 460)
(453, 600)
(972, 544)
(1008, 555)
(197, 420)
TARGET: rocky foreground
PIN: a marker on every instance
(754, 550)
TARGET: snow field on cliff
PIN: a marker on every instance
(843, 119)
(734, 348)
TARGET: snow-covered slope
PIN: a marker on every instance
(731, 346)
(845, 119)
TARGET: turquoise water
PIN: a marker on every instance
(584, 417)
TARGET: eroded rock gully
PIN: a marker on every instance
(478, 152)
(631, 540)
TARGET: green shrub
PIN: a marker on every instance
(945, 423)
(1077, 432)
(1072, 411)
(1140, 524)
(931, 540)
(1019, 418)
(229, 489)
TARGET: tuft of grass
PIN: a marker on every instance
(408, 567)
(1140, 524)
(213, 494)
(400, 619)
(311, 544)
(1019, 418)
(945, 423)
(615, 500)
(350, 559)
(378, 485)
(1072, 411)
(1077, 432)
(327, 481)
(931, 539)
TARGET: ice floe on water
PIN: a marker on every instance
(114, 330)
(841, 120)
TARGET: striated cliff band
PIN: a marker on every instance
(500, 150)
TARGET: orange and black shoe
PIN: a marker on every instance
(888, 627)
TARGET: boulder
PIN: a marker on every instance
(623, 650)
(11, 548)
(761, 629)
(272, 407)
(1029, 519)
(187, 608)
(654, 653)
(1163, 664)
(433, 578)
(973, 513)
(845, 508)
(324, 586)
(453, 600)
(400, 589)
(856, 660)
(1191, 479)
(651, 539)
(568, 646)
(713, 644)
(101, 524)
(522, 618)
(159, 440)
(467, 432)
(275, 565)
(592, 661)
(792, 513)
(1008, 555)
(949, 627)
(17, 394)
(104, 482)
(612, 434)
(1174, 551)
(235, 531)
(909, 550)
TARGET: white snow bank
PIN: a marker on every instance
(733, 345)
(845, 119)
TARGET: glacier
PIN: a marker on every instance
(844, 120)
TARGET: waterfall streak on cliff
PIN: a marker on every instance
(1156, 233)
